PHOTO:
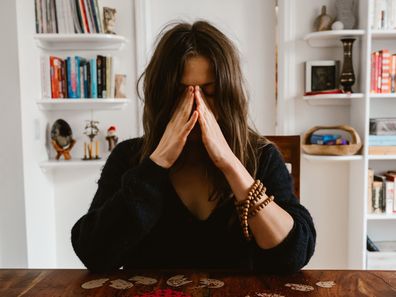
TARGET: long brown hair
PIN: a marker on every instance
(175, 44)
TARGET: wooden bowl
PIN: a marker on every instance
(332, 150)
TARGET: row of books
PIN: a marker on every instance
(77, 77)
(383, 72)
(383, 15)
(68, 16)
(381, 192)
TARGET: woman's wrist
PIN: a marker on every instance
(160, 161)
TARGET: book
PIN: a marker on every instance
(391, 176)
(370, 208)
(93, 76)
(376, 196)
(382, 140)
(389, 196)
(382, 150)
(381, 178)
(385, 76)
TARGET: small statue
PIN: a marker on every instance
(91, 130)
(345, 13)
(323, 21)
(109, 15)
(111, 137)
(62, 139)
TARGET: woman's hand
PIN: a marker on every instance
(212, 137)
(176, 132)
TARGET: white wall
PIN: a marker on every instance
(12, 208)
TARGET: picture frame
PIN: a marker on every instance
(322, 75)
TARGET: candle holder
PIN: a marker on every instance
(347, 78)
(91, 130)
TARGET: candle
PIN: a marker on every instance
(85, 150)
(97, 149)
(90, 150)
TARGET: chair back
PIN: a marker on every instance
(290, 148)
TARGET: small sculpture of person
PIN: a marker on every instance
(112, 138)
(62, 139)
(109, 15)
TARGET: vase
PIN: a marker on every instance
(347, 78)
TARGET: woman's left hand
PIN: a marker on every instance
(212, 137)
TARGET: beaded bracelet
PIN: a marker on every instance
(255, 193)
(259, 207)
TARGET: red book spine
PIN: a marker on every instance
(376, 61)
(372, 73)
(84, 15)
(54, 65)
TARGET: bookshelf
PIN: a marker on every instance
(330, 38)
(84, 41)
(82, 104)
(380, 227)
(57, 193)
(333, 99)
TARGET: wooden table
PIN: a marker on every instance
(67, 282)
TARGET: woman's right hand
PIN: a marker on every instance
(176, 132)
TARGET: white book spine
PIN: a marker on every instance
(389, 196)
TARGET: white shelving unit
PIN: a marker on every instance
(333, 99)
(332, 158)
(73, 164)
(82, 104)
(56, 42)
(380, 227)
(330, 38)
(70, 43)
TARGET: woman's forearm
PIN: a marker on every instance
(272, 224)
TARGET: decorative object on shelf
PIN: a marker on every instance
(323, 21)
(112, 138)
(109, 19)
(91, 130)
(120, 81)
(345, 13)
(333, 150)
(337, 26)
(347, 78)
(321, 75)
(62, 139)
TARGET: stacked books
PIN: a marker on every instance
(381, 192)
(383, 72)
(68, 16)
(382, 138)
(77, 77)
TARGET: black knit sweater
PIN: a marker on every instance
(136, 220)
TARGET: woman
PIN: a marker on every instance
(184, 195)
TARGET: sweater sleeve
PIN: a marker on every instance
(127, 204)
(297, 248)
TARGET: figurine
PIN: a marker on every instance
(91, 130)
(345, 13)
(111, 137)
(109, 15)
(62, 139)
(323, 21)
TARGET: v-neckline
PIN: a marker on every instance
(187, 210)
